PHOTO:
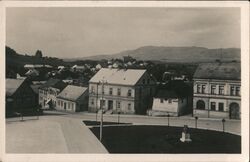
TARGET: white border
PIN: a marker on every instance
(244, 156)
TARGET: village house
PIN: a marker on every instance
(20, 98)
(73, 98)
(120, 90)
(217, 91)
(173, 98)
(49, 91)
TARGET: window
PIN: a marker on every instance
(232, 90)
(92, 101)
(203, 87)
(143, 81)
(162, 100)
(198, 88)
(92, 89)
(129, 106)
(118, 91)
(237, 92)
(221, 90)
(110, 91)
(213, 89)
(118, 104)
(102, 103)
(221, 106)
(129, 92)
(148, 81)
(213, 106)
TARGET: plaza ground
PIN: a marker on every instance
(57, 132)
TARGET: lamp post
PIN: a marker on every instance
(223, 124)
(168, 118)
(196, 119)
(101, 107)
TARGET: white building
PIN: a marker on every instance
(217, 91)
(127, 91)
(73, 98)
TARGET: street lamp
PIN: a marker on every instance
(223, 124)
(168, 118)
(196, 119)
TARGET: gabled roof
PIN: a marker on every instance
(55, 83)
(12, 85)
(72, 92)
(164, 93)
(118, 76)
(221, 71)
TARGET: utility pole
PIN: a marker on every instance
(101, 107)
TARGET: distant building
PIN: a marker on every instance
(19, 97)
(73, 98)
(32, 73)
(77, 68)
(128, 59)
(217, 91)
(174, 99)
(49, 91)
(126, 91)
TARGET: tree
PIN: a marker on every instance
(39, 54)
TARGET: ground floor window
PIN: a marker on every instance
(129, 106)
(213, 106)
(92, 101)
(221, 106)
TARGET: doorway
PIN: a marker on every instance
(110, 104)
(234, 111)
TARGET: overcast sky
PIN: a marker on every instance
(79, 32)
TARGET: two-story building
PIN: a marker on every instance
(217, 91)
(49, 91)
(121, 90)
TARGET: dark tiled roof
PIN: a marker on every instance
(221, 71)
(12, 85)
(165, 93)
(55, 83)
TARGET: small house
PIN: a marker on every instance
(73, 98)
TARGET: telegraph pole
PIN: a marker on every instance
(101, 107)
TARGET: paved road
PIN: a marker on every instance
(232, 126)
(50, 134)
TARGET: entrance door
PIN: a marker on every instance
(110, 104)
(234, 111)
(64, 105)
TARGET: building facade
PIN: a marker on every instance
(49, 91)
(73, 98)
(217, 92)
(119, 90)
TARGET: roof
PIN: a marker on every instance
(72, 92)
(118, 76)
(35, 88)
(221, 71)
(163, 93)
(12, 85)
(55, 83)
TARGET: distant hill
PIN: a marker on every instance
(174, 54)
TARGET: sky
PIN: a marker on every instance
(79, 32)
